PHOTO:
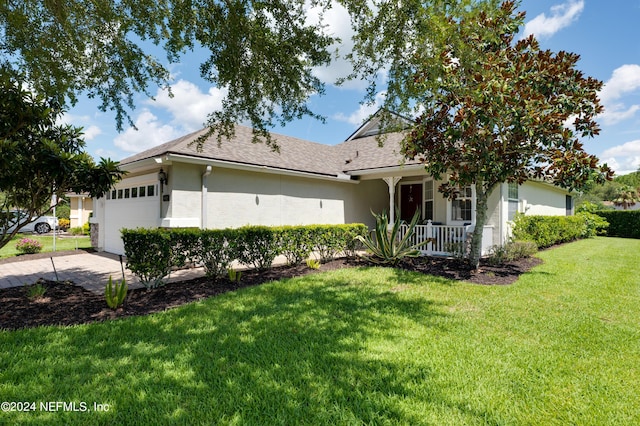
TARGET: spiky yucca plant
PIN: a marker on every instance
(386, 247)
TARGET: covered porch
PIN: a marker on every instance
(447, 225)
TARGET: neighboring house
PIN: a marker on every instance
(81, 206)
(240, 183)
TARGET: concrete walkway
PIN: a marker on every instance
(90, 270)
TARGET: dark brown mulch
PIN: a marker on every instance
(67, 304)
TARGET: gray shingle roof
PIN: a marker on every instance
(295, 154)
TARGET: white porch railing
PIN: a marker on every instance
(446, 240)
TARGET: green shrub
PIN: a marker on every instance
(35, 291)
(596, 225)
(352, 243)
(151, 253)
(257, 246)
(115, 296)
(76, 231)
(29, 246)
(217, 250)
(625, 224)
(328, 241)
(185, 246)
(295, 243)
(148, 254)
(546, 231)
(511, 251)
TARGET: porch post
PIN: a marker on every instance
(392, 181)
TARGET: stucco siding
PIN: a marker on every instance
(237, 198)
(541, 199)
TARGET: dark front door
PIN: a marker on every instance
(410, 200)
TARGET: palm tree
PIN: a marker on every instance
(626, 197)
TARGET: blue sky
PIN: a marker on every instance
(605, 34)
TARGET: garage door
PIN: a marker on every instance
(132, 205)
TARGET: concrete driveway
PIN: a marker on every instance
(90, 270)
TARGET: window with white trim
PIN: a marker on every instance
(513, 200)
(462, 205)
(428, 200)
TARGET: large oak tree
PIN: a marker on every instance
(262, 52)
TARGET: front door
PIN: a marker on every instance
(410, 200)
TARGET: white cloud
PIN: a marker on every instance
(151, 132)
(624, 80)
(189, 106)
(337, 23)
(562, 15)
(91, 132)
(363, 112)
(623, 158)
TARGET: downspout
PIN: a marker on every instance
(203, 214)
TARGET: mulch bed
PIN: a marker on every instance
(67, 304)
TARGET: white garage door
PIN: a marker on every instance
(132, 204)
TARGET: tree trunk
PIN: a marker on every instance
(481, 218)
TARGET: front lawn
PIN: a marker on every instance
(368, 345)
(63, 242)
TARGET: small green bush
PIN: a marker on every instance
(257, 246)
(625, 224)
(148, 254)
(35, 291)
(218, 250)
(29, 246)
(511, 251)
(76, 231)
(596, 225)
(295, 243)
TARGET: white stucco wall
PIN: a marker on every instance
(237, 198)
(541, 199)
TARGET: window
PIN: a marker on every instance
(150, 190)
(513, 200)
(120, 193)
(134, 192)
(127, 191)
(113, 194)
(142, 191)
(461, 206)
(428, 200)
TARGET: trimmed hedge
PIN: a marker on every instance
(152, 253)
(546, 231)
(625, 224)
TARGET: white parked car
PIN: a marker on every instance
(40, 225)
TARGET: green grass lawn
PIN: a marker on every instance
(359, 346)
(65, 242)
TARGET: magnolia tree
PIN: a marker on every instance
(40, 158)
(499, 110)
